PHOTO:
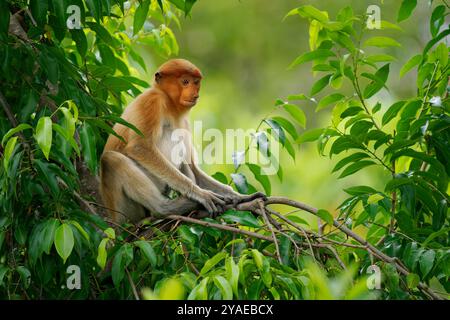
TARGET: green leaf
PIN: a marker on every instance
(25, 275)
(344, 143)
(296, 113)
(320, 84)
(8, 152)
(435, 235)
(122, 259)
(380, 78)
(123, 122)
(11, 132)
(313, 55)
(397, 182)
(3, 270)
(374, 198)
(406, 9)
(118, 84)
(66, 137)
(437, 19)
(297, 219)
(287, 125)
(95, 8)
(435, 40)
(110, 233)
(107, 57)
(244, 218)
(219, 176)
(200, 292)
(4, 26)
(103, 34)
(147, 251)
(64, 241)
(59, 11)
(290, 149)
(43, 135)
(212, 262)
(48, 234)
(232, 274)
(240, 181)
(224, 287)
(325, 216)
(426, 261)
(381, 42)
(355, 167)
(309, 11)
(87, 140)
(261, 177)
(39, 10)
(392, 112)
(263, 266)
(360, 190)
(80, 229)
(46, 175)
(276, 130)
(421, 156)
(441, 53)
(140, 16)
(352, 158)
(388, 25)
(188, 6)
(300, 96)
(81, 42)
(102, 254)
(380, 58)
(412, 280)
(411, 63)
(329, 99)
(310, 135)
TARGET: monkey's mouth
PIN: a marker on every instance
(190, 103)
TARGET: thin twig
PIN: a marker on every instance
(219, 226)
(133, 287)
(423, 287)
(262, 210)
(295, 226)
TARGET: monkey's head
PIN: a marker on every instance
(180, 80)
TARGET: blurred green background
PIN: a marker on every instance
(244, 48)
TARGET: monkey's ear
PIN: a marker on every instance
(158, 77)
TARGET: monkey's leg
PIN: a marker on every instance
(123, 180)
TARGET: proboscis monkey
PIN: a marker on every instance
(136, 175)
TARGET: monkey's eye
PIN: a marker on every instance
(197, 82)
(185, 82)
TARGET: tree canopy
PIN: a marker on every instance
(70, 67)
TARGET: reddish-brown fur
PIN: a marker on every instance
(135, 173)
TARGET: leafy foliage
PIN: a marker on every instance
(73, 85)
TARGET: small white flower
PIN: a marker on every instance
(436, 101)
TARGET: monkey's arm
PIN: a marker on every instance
(150, 158)
(209, 183)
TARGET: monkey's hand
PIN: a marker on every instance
(212, 201)
(237, 198)
(251, 197)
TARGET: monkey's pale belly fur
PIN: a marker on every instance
(175, 147)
